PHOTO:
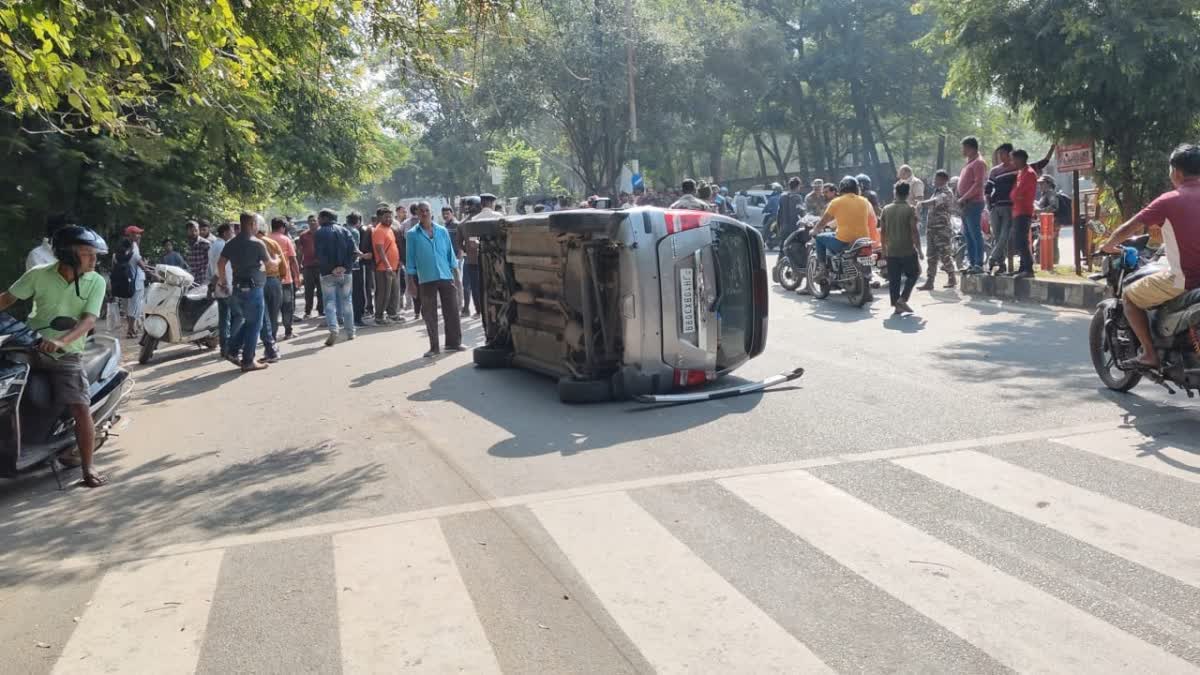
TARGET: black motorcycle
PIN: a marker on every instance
(791, 267)
(34, 428)
(1175, 327)
(850, 271)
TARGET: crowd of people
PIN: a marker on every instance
(351, 274)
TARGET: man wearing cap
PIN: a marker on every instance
(130, 253)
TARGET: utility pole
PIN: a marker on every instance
(629, 69)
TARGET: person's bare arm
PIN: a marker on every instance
(295, 267)
(1049, 153)
(7, 300)
(824, 222)
(222, 282)
(916, 236)
(82, 327)
(381, 255)
(1122, 233)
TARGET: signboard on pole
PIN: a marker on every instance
(1076, 157)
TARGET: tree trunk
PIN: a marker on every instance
(862, 118)
(941, 153)
(883, 138)
(762, 162)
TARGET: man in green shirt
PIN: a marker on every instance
(901, 247)
(67, 289)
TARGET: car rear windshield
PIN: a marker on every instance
(736, 309)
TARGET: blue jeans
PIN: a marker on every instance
(223, 321)
(338, 302)
(273, 296)
(973, 232)
(826, 243)
(244, 340)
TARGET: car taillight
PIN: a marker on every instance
(690, 378)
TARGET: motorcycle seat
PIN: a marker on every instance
(858, 245)
(191, 308)
(95, 357)
(1179, 314)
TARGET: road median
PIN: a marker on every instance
(1074, 292)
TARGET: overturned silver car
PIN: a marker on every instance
(619, 304)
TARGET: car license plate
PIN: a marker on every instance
(687, 298)
(867, 260)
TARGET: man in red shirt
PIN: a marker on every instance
(1024, 193)
(310, 267)
(1178, 212)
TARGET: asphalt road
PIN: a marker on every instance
(949, 492)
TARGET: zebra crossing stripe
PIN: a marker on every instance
(1125, 446)
(402, 604)
(681, 614)
(145, 617)
(1146, 538)
(1018, 624)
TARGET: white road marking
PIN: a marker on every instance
(402, 604)
(1124, 445)
(681, 614)
(116, 556)
(1018, 624)
(146, 617)
(1140, 536)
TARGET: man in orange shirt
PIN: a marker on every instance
(854, 215)
(290, 273)
(387, 268)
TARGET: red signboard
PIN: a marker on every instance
(1076, 157)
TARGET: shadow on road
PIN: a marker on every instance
(141, 505)
(526, 405)
(904, 323)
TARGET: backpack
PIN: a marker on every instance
(1062, 215)
(121, 278)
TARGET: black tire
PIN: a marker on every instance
(492, 357)
(820, 287)
(789, 276)
(584, 391)
(146, 353)
(858, 293)
(1128, 379)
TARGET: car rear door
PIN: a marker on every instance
(688, 287)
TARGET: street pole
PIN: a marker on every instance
(1081, 234)
(629, 68)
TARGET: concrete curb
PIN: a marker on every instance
(1040, 291)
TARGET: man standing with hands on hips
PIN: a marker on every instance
(430, 264)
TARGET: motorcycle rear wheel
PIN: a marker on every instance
(789, 276)
(819, 285)
(1105, 361)
(858, 292)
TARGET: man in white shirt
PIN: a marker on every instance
(43, 254)
(916, 192)
(229, 319)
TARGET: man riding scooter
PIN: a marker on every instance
(69, 288)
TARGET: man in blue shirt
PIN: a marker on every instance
(337, 254)
(431, 261)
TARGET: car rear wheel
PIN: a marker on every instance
(571, 390)
(492, 357)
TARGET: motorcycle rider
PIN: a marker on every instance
(71, 288)
(852, 213)
(771, 211)
(791, 207)
(1178, 212)
(864, 189)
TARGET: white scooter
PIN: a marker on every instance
(177, 311)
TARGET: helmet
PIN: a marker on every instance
(864, 181)
(67, 238)
(776, 187)
(848, 184)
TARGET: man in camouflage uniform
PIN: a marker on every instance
(815, 202)
(938, 233)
